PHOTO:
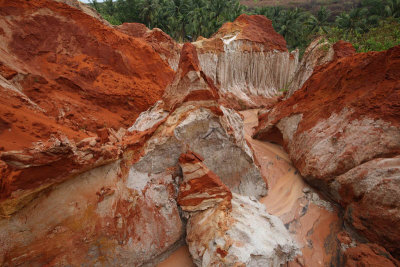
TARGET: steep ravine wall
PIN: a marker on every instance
(252, 75)
(248, 61)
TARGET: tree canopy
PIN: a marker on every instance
(189, 19)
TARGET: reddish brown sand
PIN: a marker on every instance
(180, 258)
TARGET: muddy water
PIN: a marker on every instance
(312, 222)
(180, 258)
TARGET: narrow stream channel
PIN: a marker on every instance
(312, 221)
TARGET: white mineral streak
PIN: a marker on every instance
(174, 62)
(232, 121)
(319, 52)
(249, 73)
(149, 118)
(249, 236)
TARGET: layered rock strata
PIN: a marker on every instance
(248, 61)
(342, 132)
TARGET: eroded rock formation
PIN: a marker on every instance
(318, 53)
(73, 83)
(248, 61)
(342, 132)
(226, 229)
(162, 43)
(117, 142)
(197, 122)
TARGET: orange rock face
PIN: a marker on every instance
(201, 188)
(66, 75)
(369, 255)
(257, 29)
(190, 82)
(343, 49)
(342, 131)
(162, 43)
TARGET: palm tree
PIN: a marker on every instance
(319, 23)
(356, 21)
(128, 10)
(290, 24)
(392, 8)
(148, 12)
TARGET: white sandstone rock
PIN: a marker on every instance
(246, 235)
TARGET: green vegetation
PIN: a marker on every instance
(384, 35)
(371, 25)
(178, 18)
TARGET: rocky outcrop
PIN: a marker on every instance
(220, 181)
(369, 255)
(61, 112)
(318, 53)
(226, 229)
(342, 132)
(102, 216)
(367, 191)
(248, 61)
(190, 82)
(196, 122)
(109, 157)
(162, 43)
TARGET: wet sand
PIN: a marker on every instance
(180, 258)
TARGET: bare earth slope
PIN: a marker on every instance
(66, 76)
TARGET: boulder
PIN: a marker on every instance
(197, 122)
(200, 188)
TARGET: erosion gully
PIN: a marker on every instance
(313, 222)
